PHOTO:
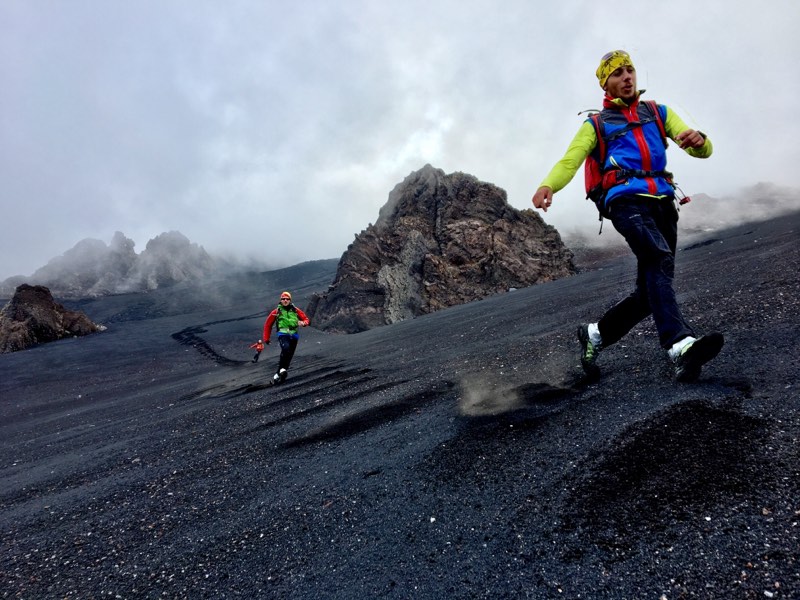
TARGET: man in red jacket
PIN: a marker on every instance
(286, 318)
(258, 347)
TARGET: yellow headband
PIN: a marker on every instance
(610, 63)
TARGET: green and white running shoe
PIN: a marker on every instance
(695, 354)
(589, 352)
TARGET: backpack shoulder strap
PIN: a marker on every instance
(599, 130)
(654, 108)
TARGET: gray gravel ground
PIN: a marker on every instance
(458, 455)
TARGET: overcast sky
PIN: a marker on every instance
(274, 131)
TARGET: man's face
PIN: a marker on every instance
(622, 83)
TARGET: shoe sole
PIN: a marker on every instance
(591, 370)
(702, 351)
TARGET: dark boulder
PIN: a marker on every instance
(440, 240)
(33, 317)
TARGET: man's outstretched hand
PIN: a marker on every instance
(543, 198)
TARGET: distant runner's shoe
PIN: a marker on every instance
(276, 379)
(693, 356)
(589, 352)
(282, 375)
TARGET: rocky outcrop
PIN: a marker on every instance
(91, 268)
(33, 317)
(168, 259)
(440, 240)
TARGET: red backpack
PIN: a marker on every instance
(599, 182)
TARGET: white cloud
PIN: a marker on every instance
(278, 130)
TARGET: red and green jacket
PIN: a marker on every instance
(286, 321)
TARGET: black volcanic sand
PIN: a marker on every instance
(458, 455)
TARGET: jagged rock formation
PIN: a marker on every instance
(440, 240)
(91, 268)
(32, 317)
(168, 259)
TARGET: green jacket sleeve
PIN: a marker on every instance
(579, 148)
(585, 140)
(674, 126)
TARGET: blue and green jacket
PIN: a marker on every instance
(638, 148)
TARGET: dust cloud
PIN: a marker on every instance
(479, 398)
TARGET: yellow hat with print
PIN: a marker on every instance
(286, 295)
(610, 63)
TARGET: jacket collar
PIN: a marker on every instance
(619, 103)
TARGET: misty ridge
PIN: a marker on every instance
(704, 214)
(93, 268)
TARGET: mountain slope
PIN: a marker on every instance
(453, 455)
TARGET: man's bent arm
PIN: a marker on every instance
(579, 148)
(675, 126)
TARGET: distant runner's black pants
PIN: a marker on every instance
(288, 346)
(650, 227)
